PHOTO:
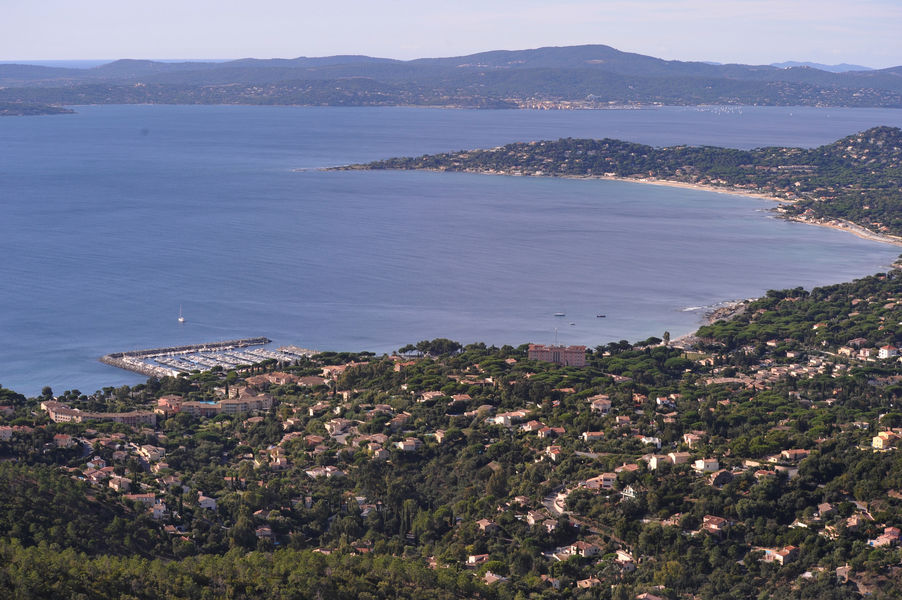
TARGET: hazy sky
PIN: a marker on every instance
(866, 32)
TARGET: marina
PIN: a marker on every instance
(229, 354)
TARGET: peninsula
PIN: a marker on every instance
(23, 109)
(854, 183)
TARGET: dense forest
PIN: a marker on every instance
(857, 178)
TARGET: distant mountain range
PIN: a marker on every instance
(840, 68)
(588, 76)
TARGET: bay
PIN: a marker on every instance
(113, 217)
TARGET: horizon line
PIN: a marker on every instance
(42, 61)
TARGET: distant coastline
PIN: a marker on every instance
(20, 109)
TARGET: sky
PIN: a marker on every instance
(863, 32)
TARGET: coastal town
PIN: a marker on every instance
(766, 442)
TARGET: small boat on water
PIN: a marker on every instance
(560, 315)
(599, 316)
(181, 318)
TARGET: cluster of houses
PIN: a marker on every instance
(329, 422)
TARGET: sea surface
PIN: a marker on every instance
(113, 218)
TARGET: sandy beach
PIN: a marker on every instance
(838, 224)
(697, 186)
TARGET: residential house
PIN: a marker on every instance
(679, 458)
(794, 455)
(533, 517)
(96, 463)
(146, 499)
(550, 432)
(554, 453)
(492, 578)
(339, 426)
(550, 525)
(888, 352)
(399, 421)
(120, 484)
(889, 537)
(158, 510)
(885, 440)
(782, 556)
(429, 396)
(693, 440)
(328, 472)
(625, 560)
(62, 440)
(600, 404)
(554, 582)
(591, 436)
(706, 465)
(720, 478)
(151, 453)
(409, 445)
(714, 525)
(584, 549)
(627, 468)
(318, 408)
(656, 460)
(605, 481)
(509, 418)
(486, 525)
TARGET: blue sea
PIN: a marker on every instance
(113, 218)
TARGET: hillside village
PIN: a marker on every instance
(762, 449)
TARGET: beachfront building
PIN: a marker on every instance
(568, 356)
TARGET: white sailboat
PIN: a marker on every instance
(181, 318)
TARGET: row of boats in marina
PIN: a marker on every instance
(188, 361)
